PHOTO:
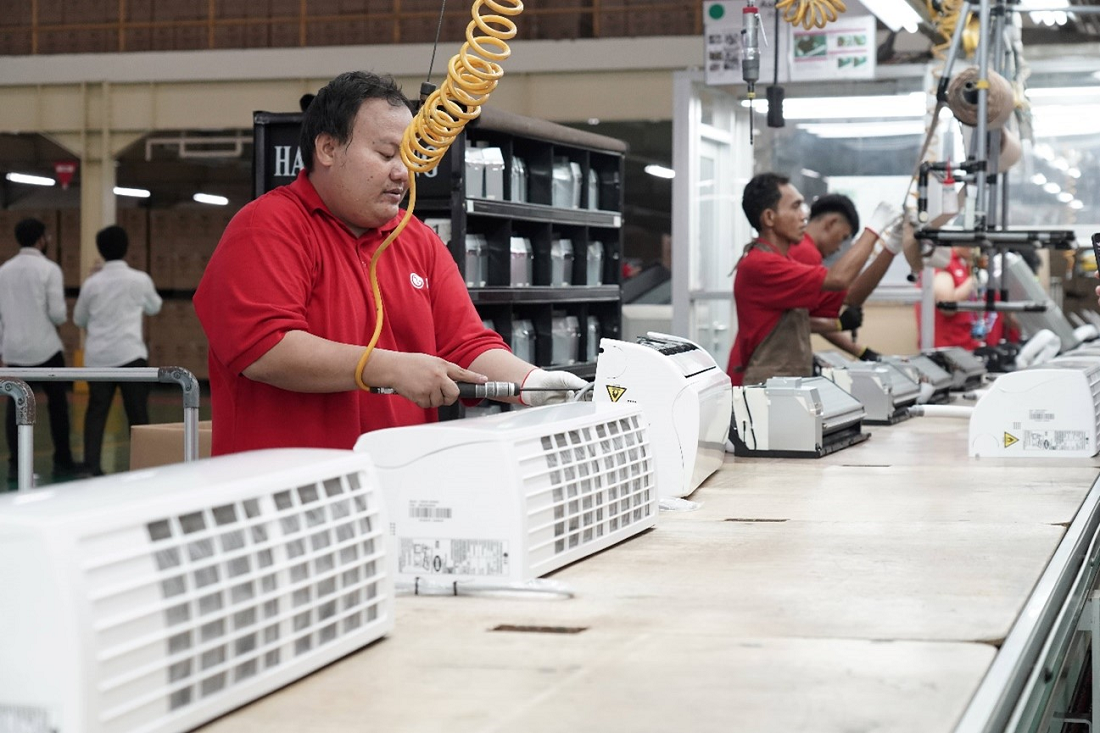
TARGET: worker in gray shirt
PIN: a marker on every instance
(112, 303)
(32, 306)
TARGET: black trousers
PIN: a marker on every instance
(57, 400)
(135, 400)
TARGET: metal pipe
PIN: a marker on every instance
(164, 375)
(981, 149)
(24, 406)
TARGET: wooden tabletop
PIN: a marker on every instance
(866, 590)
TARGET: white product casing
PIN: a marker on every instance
(1047, 411)
(157, 600)
(687, 400)
(513, 496)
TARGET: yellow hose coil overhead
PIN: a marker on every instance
(810, 13)
(472, 75)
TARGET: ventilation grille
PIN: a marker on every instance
(231, 595)
(589, 484)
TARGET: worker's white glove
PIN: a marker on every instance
(894, 237)
(549, 388)
(883, 216)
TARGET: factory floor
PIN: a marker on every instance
(165, 406)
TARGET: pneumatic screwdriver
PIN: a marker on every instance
(488, 390)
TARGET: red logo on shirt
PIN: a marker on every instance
(417, 281)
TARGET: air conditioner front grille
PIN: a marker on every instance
(600, 480)
(187, 606)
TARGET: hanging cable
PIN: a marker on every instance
(472, 75)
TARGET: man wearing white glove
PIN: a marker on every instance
(774, 293)
(541, 387)
(834, 220)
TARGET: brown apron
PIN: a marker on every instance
(785, 351)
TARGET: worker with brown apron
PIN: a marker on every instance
(775, 293)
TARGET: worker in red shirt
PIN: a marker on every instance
(956, 282)
(774, 293)
(833, 221)
(287, 305)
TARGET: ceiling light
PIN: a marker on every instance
(1052, 187)
(1065, 197)
(1076, 205)
(29, 179)
(892, 128)
(894, 14)
(208, 198)
(593, 120)
(660, 171)
(1074, 173)
(1061, 164)
(1038, 179)
(810, 173)
(137, 193)
(914, 104)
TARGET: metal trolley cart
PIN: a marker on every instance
(13, 382)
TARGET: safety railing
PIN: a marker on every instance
(13, 382)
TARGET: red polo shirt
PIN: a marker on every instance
(957, 328)
(832, 301)
(285, 263)
(767, 284)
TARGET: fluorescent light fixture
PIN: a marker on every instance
(137, 193)
(209, 198)
(894, 14)
(1064, 120)
(29, 179)
(1065, 197)
(593, 120)
(1038, 179)
(1075, 93)
(891, 128)
(913, 104)
(660, 171)
(1052, 187)
(1074, 173)
(810, 173)
(1076, 205)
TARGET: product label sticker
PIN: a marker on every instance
(1055, 440)
(453, 557)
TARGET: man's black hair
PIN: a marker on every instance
(762, 193)
(836, 203)
(112, 242)
(29, 231)
(334, 108)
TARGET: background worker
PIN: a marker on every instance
(957, 282)
(774, 293)
(287, 304)
(833, 221)
(32, 306)
(111, 306)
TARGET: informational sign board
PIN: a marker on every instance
(843, 49)
(722, 25)
(276, 158)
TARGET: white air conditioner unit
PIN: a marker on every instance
(1048, 411)
(516, 495)
(159, 599)
(686, 397)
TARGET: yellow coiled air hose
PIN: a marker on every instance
(810, 13)
(472, 75)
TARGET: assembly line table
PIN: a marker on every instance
(864, 591)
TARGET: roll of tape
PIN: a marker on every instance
(1010, 150)
(963, 103)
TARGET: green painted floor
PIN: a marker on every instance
(165, 406)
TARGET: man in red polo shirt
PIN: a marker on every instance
(834, 220)
(774, 293)
(287, 305)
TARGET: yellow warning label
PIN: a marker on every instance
(1010, 439)
(615, 392)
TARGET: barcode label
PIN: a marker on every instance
(429, 512)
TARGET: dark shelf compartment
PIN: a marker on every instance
(546, 294)
(540, 212)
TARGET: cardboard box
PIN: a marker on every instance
(161, 444)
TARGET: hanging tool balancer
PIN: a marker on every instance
(750, 54)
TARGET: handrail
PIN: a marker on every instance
(164, 375)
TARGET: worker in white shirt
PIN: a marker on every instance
(32, 306)
(111, 305)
